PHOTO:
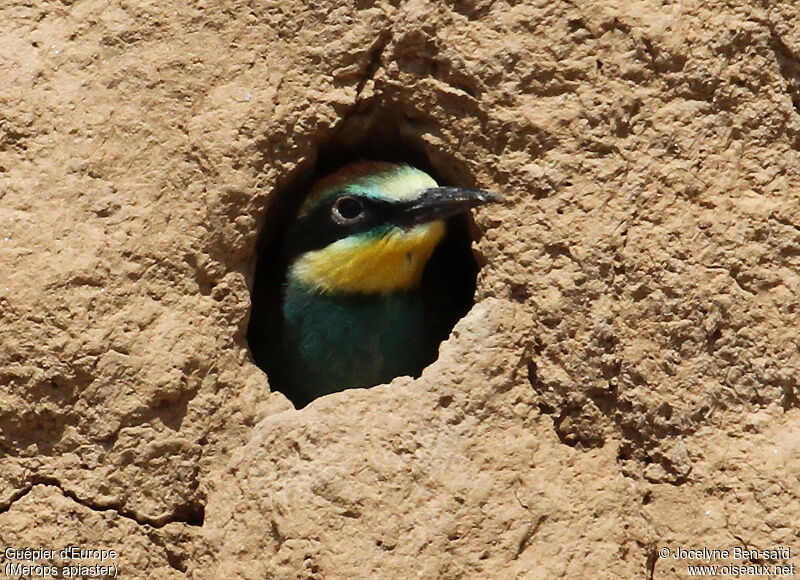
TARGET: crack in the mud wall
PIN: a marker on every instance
(374, 62)
(789, 66)
(190, 514)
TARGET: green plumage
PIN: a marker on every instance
(333, 342)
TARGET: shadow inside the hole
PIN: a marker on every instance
(449, 279)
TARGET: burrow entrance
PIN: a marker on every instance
(451, 271)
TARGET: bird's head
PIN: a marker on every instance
(370, 228)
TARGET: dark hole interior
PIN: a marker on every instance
(451, 270)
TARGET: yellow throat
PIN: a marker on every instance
(370, 263)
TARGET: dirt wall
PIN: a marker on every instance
(626, 381)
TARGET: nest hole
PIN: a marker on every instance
(451, 271)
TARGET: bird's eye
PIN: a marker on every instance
(347, 209)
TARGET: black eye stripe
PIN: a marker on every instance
(318, 228)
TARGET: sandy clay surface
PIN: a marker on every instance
(626, 381)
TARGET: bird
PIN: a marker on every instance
(354, 312)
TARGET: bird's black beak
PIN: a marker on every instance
(439, 203)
